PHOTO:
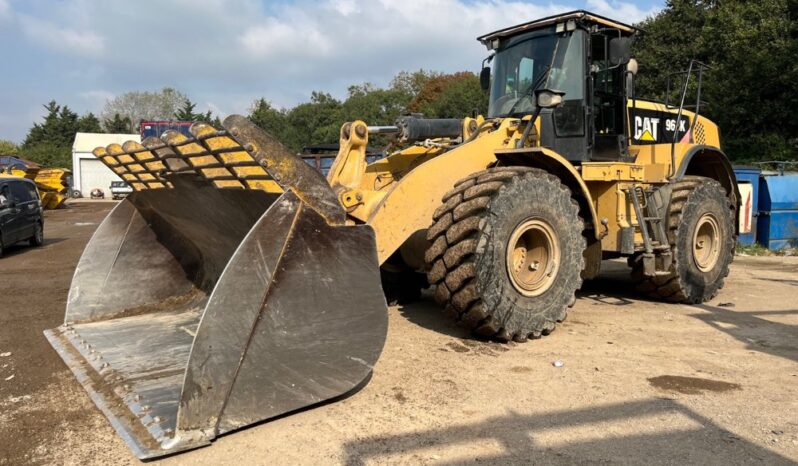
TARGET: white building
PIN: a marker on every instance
(87, 171)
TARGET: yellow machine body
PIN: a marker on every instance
(398, 194)
(236, 284)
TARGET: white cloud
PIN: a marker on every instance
(96, 98)
(345, 7)
(624, 12)
(277, 39)
(62, 39)
(230, 52)
(5, 10)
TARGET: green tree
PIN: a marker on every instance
(319, 120)
(412, 82)
(186, 112)
(49, 143)
(118, 125)
(48, 155)
(454, 95)
(145, 105)
(314, 122)
(752, 87)
(270, 119)
(89, 123)
(373, 105)
(8, 147)
(59, 127)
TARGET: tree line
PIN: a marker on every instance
(318, 121)
(751, 90)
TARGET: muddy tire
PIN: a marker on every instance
(702, 238)
(506, 252)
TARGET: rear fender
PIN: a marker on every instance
(711, 162)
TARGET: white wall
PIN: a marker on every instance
(88, 172)
(94, 174)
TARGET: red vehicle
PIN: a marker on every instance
(157, 128)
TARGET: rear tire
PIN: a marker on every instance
(38, 236)
(702, 238)
(506, 252)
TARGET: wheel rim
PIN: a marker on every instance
(533, 257)
(706, 243)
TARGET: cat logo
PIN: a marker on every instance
(646, 128)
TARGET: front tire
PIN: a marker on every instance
(702, 238)
(506, 252)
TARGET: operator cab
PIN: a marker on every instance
(582, 56)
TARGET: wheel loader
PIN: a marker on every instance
(237, 284)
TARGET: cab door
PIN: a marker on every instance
(609, 102)
(10, 220)
(25, 210)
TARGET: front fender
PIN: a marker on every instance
(557, 165)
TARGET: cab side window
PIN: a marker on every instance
(32, 192)
(20, 192)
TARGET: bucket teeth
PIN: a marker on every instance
(211, 153)
(172, 163)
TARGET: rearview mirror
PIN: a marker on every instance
(548, 98)
(484, 78)
(620, 50)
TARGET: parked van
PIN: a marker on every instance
(21, 217)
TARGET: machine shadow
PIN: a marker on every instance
(758, 334)
(614, 286)
(427, 314)
(686, 438)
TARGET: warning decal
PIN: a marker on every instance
(654, 127)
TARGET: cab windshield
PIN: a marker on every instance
(552, 61)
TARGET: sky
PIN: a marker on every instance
(224, 54)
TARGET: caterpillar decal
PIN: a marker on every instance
(656, 127)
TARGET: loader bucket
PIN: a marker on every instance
(226, 290)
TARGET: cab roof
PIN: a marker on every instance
(577, 15)
(7, 177)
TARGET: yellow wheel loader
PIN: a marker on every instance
(236, 284)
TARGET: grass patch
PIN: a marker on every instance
(757, 249)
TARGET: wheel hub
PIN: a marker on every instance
(706, 242)
(533, 257)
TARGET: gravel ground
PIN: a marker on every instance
(640, 381)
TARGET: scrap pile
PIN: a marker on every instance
(53, 183)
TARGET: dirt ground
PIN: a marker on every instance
(640, 381)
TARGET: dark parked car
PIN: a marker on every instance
(21, 217)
